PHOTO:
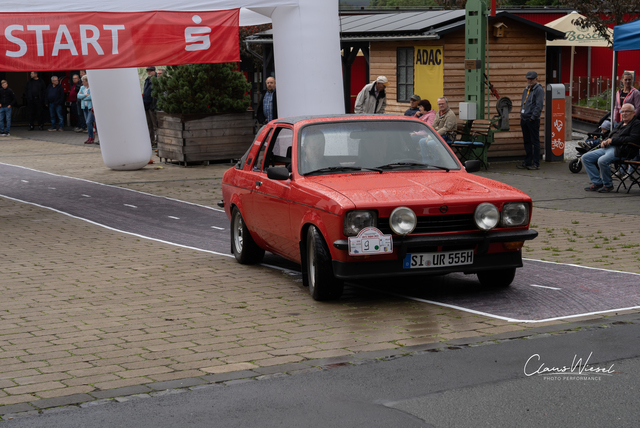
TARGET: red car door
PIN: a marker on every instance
(246, 177)
(270, 199)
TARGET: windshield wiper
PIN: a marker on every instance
(401, 164)
(342, 168)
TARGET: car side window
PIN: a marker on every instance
(257, 165)
(279, 151)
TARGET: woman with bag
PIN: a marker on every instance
(84, 96)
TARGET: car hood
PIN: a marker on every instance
(408, 187)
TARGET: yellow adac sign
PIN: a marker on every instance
(429, 73)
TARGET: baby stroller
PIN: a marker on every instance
(603, 129)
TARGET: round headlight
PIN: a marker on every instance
(403, 220)
(515, 214)
(486, 216)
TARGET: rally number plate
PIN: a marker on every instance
(370, 241)
(436, 260)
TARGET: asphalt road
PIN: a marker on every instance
(536, 295)
(587, 378)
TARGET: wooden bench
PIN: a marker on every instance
(473, 140)
(587, 114)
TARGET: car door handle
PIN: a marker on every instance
(258, 183)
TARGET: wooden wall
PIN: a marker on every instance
(510, 57)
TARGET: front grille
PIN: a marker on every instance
(436, 224)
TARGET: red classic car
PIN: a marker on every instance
(350, 197)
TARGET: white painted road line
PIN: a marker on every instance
(544, 286)
(176, 218)
(24, 181)
(216, 227)
(132, 206)
(86, 196)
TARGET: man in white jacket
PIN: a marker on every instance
(372, 99)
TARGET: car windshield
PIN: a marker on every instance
(347, 146)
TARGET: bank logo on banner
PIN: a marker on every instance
(429, 73)
(195, 36)
(97, 40)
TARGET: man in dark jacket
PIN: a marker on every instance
(532, 101)
(54, 99)
(614, 148)
(7, 101)
(34, 92)
(150, 105)
(268, 105)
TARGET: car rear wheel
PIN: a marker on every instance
(323, 285)
(243, 246)
(499, 278)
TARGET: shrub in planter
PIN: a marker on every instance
(202, 88)
(203, 113)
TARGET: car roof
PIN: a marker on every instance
(322, 118)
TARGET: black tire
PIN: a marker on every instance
(323, 285)
(243, 246)
(499, 278)
(575, 166)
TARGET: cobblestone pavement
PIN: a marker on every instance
(88, 313)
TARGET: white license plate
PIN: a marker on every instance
(436, 260)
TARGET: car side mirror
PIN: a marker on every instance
(278, 173)
(472, 165)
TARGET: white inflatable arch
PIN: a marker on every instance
(306, 52)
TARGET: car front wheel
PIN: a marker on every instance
(243, 246)
(499, 278)
(323, 285)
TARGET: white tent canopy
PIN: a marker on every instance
(253, 12)
(575, 36)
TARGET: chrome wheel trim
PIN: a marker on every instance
(311, 261)
(237, 232)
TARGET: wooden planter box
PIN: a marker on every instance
(201, 137)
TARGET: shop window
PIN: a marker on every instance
(405, 74)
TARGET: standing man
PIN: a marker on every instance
(446, 121)
(34, 91)
(54, 99)
(7, 100)
(628, 94)
(268, 105)
(532, 100)
(150, 106)
(160, 73)
(372, 99)
(413, 106)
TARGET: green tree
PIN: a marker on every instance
(202, 88)
(600, 14)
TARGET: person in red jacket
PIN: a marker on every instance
(75, 108)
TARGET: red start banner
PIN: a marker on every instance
(97, 40)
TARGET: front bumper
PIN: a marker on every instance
(412, 244)
(377, 269)
(405, 243)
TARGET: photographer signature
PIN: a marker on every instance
(534, 367)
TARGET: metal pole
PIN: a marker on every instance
(588, 74)
(614, 70)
